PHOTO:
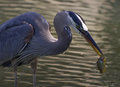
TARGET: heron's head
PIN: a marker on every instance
(78, 24)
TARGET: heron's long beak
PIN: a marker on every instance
(93, 44)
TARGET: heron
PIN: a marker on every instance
(26, 37)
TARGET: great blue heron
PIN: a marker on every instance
(26, 37)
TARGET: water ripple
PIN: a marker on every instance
(77, 66)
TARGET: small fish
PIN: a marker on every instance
(101, 64)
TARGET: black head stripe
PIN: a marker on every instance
(75, 18)
(81, 18)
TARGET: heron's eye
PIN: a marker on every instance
(77, 26)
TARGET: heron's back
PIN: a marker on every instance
(14, 31)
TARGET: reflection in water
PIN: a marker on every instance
(77, 66)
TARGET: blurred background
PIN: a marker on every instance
(77, 66)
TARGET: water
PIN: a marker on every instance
(77, 66)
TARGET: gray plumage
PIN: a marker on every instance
(28, 36)
(14, 31)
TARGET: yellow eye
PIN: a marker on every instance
(77, 26)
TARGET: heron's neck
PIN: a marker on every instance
(62, 44)
(51, 46)
(64, 38)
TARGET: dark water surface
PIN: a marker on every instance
(77, 66)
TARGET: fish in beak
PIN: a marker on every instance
(79, 25)
(102, 60)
